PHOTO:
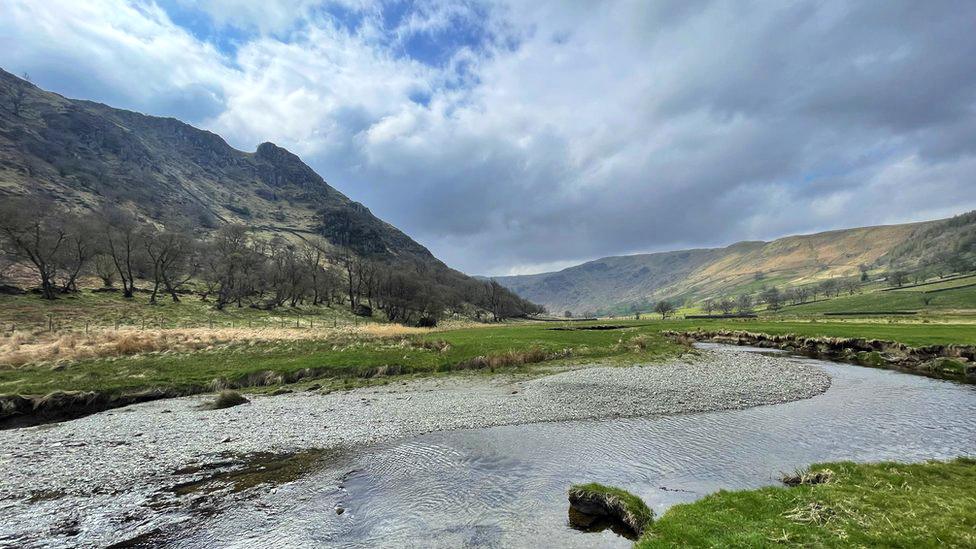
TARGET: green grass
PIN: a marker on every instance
(963, 298)
(344, 357)
(341, 357)
(938, 285)
(864, 505)
(907, 331)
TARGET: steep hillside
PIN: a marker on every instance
(83, 155)
(618, 283)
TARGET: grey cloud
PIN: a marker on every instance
(579, 132)
(797, 107)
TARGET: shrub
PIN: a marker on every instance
(226, 399)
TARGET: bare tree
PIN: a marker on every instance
(829, 287)
(120, 241)
(34, 232)
(708, 306)
(312, 257)
(727, 305)
(664, 308)
(864, 271)
(803, 294)
(773, 298)
(744, 303)
(104, 269)
(171, 257)
(493, 295)
(80, 247)
(898, 278)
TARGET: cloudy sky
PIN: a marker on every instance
(514, 137)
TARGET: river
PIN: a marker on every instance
(506, 486)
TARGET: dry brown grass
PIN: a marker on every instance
(511, 358)
(20, 348)
(636, 344)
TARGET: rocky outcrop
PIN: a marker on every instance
(956, 362)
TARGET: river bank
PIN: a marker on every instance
(955, 362)
(110, 476)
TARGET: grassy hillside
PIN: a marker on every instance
(617, 285)
(614, 279)
(614, 284)
(954, 299)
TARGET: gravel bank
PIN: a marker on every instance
(96, 480)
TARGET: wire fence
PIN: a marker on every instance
(58, 323)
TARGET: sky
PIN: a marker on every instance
(516, 137)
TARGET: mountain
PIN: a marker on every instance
(616, 284)
(83, 155)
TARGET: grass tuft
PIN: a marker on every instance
(598, 500)
(226, 399)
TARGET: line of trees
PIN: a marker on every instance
(235, 268)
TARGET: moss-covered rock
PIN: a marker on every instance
(589, 502)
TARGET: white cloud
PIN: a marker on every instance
(130, 51)
(558, 131)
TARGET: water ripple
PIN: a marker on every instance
(505, 486)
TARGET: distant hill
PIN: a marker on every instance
(83, 155)
(616, 284)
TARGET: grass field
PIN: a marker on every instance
(339, 355)
(899, 300)
(140, 355)
(350, 354)
(905, 331)
(930, 285)
(862, 505)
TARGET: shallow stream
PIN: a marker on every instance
(506, 486)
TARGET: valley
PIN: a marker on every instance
(243, 248)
